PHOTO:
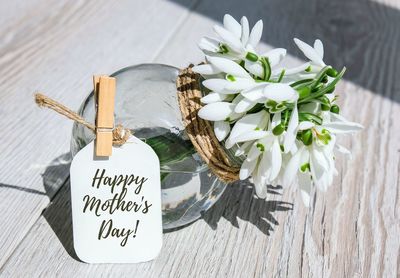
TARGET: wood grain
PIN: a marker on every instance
(352, 230)
(44, 47)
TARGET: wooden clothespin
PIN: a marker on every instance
(104, 90)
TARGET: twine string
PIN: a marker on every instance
(120, 134)
(201, 132)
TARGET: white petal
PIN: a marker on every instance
(217, 111)
(275, 56)
(234, 116)
(213, 97)
(255, 93)
(297, 69)
(228, 66)
(250, 122)
(290, 136)
(256, 33)
(342, 127)
(221, 129)
(245, 30)
(244, 148)
(276, 120)
(276, 159)
(247, 168)
(237, 99)
(254, 153)
(209, 44)
(309, 52)
(305, 125)
(319, 168)
(260, 185)
(240, 84)
(247, 124)
(244, 105)
(292, 168)
(254, 68)
(232, 25)
(232, 41)
(308, 75)
(319, 48)
(265, 166)
(215, 84)
(267, 141)
(280, 92)
(251, 135)
(207, 69)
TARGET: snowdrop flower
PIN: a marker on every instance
(236, 39)
(264, 159)
(315, 54)
(236, 78)
(236, 42)
(314, 162)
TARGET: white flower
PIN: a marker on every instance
(315, 54)
(236, 78)
(264, 160)
(250, 127)
(314, 164)
(236, 38)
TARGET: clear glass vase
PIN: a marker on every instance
(146, 102)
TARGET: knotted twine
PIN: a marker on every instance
(201, 132)
(120, 134)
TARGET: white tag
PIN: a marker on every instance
(116, 204)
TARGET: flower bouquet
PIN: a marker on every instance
(281, 121)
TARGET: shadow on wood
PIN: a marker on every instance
(361, 35)
(21, 188)
(240, 202)
(59, 216)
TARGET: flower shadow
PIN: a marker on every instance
(240, 202)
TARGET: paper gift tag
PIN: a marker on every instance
(116, 204)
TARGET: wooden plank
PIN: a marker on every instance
(56, 47)
(351, 230)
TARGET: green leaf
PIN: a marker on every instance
(328, 89)
(266, 67)
(305, 116)
(304, 82)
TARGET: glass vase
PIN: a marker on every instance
(146, 103)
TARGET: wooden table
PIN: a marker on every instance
(352, 230)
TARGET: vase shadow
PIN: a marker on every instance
(59, 216)
(240, 202)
